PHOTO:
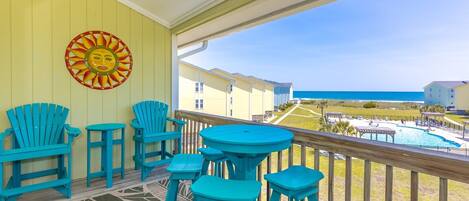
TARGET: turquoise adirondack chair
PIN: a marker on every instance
(37, 131)
(150, 128)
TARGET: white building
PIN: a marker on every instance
(283, 93)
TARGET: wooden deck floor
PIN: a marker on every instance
(98, 186)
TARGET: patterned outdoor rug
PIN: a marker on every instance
(150, 191)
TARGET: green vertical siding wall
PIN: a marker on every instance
(33, 38)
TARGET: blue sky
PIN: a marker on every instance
(351, 45)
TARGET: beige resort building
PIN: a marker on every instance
(223, 93)
(241, 91)
(462, 96)
(204, 91)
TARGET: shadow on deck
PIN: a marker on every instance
(98, 186)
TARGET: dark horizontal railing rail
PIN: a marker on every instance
(416, 160)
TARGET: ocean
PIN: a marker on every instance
(361, 95)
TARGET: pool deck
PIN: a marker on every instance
(440, 132)
(443, 133)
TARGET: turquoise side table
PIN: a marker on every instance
(106, 145)
(246, 145)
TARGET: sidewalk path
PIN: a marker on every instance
(305, 116)
(311, 111)
(452, 121)
(285, 115)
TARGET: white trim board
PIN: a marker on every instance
(170, 24)
(145, 12)
(197, 10)
(174, 73)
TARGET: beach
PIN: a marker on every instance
(361, 96)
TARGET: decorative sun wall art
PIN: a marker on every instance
(98, 60)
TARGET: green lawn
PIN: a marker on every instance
(301, 111)
(428, 185)
(311, 123)
(394, 114)
(280, 113)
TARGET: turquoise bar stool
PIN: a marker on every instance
(106, 144)
(212, 188)
(218, 158)
(183, 167)
(296, 182)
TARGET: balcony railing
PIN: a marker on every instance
(415, 161)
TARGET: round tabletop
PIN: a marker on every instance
(105, 127)
(247, 139)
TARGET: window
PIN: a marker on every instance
(231, 88)
(199, 87)
(231, 112)
(199, 104)
(231, 100)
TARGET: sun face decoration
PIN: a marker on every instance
(98, 60)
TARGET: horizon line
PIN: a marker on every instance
(355, 91)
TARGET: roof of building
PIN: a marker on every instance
(220, 71)
(247, 78)
(375, 130)
(207, 71)
(434, 114)
(251, 78)
(334, 114)
(260, 80)
(449, 84)
(228, 74)
(280, 84)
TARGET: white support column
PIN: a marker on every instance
(174, 74)
(250, 103)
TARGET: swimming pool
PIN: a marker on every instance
(415, 137)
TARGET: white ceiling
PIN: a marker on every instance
(170, 13)
(250, 15)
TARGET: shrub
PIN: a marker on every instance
(308, 102)
(370, 105)
(280, 108)
(410, 105)
(433, 108)
(285, 106)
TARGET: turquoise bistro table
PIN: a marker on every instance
(246, 145)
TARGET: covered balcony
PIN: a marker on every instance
(37, 33)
